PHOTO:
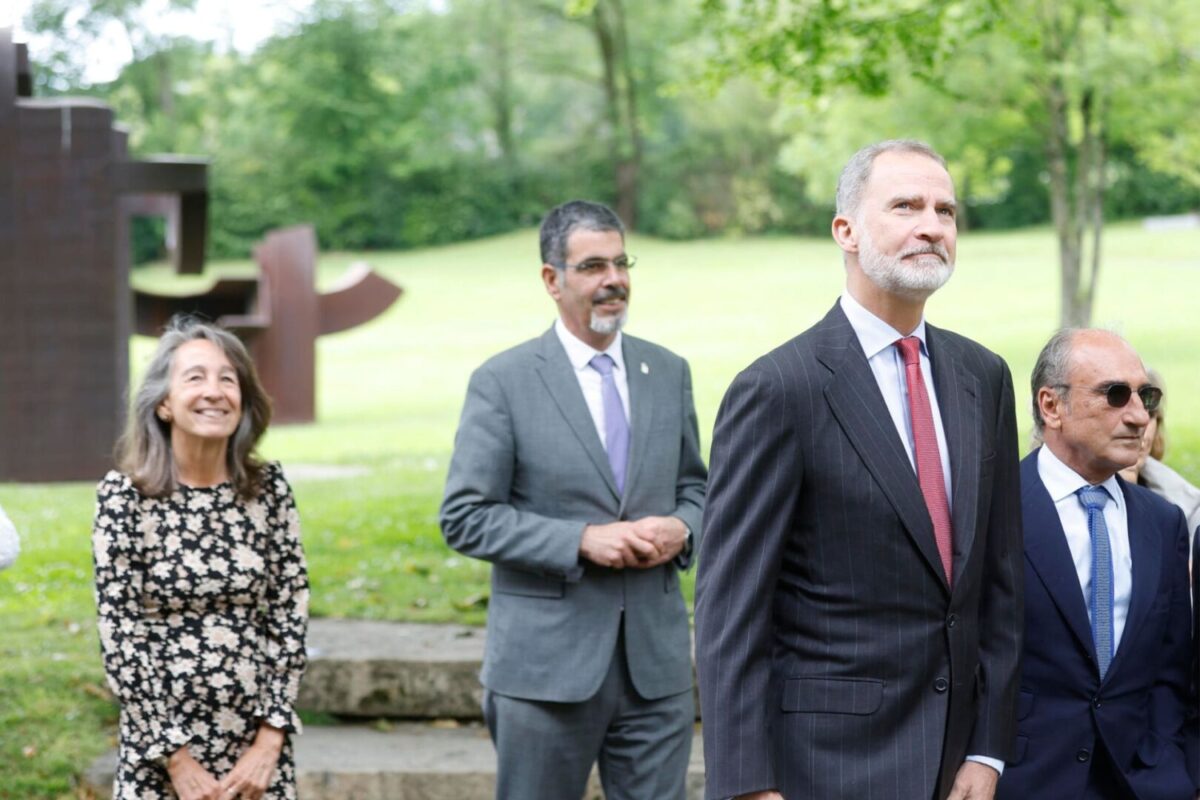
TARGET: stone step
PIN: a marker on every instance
(407, 761)
(363, 668)
(403, 670)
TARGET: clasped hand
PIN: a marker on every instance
(639, 544)
(248, 780)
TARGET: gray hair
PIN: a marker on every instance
(858, 170)
(1050, 370)
(144, 449)
(565, 219)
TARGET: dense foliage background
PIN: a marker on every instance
(398, 123)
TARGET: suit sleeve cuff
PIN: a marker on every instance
(684, 560)
(994, 763)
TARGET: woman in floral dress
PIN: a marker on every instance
(201, 587)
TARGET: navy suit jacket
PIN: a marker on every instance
(1065, 712)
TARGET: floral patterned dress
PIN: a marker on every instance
(202, 601)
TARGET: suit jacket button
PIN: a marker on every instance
(940, 685)
(1083, 754)
(1096, 702)
(951, 620)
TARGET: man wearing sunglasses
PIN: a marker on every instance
(1105, 684)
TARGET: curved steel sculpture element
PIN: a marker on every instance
(280, 315)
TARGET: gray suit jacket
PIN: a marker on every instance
(528, 473)
(834, 660)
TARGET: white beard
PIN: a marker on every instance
(608, 323)
(914, 279)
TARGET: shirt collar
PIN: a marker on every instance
(580, 354)
(875, 335)
(1061, 481)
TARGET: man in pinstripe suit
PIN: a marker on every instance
(859, 604)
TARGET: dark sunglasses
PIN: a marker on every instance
(1118, 395)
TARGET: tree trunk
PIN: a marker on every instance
(1094, 132)
(629, 168)
(500, 90)
(1089, 194)
(1073, 312)
(1076, 167)
(1097, 202)
(625, 144)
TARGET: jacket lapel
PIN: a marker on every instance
(957, 396)
(1147, 572)
(641, 404)
(1048, 554)
(558, 375)
(858, 405)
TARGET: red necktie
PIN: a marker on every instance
(925, 445)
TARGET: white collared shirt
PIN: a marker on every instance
(580, 354)
(878, 341)
(1062, 482)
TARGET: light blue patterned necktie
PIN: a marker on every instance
(1093, 498)
(616, 427)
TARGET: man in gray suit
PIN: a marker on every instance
(858, 611)
(577, 474)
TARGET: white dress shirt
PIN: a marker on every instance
(878, 340)
(10, 544)
(580, 354)
(1061, 482)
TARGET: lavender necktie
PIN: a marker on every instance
(616, 427)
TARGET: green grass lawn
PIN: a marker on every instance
(389, 398)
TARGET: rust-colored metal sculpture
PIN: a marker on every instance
(67, 192)
(280, 315)
(176, 189)
(66, 189)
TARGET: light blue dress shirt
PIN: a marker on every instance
(1062, 482)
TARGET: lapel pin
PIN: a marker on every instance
(645, 368)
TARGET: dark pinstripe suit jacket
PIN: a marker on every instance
(834, 661)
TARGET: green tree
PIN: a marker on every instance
(73, 28)
(1078, 74)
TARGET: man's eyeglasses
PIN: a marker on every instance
(1118, 394)
(594, 266)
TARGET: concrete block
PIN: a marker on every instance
(409, 761)
(399, 670)
(360, 668)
